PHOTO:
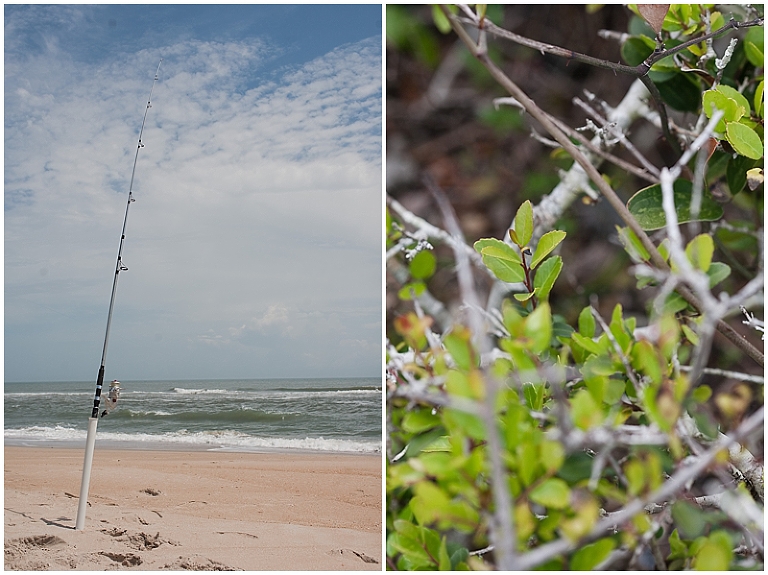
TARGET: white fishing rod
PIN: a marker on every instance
(114, 391)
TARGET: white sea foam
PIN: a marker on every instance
(185, 391)
(219, 440)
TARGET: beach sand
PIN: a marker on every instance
(197, 510)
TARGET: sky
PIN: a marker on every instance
(254, 242)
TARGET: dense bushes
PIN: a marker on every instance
(523, 436)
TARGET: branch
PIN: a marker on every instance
(668, 489)
(635, 71)
(640, 71)
(502, 534)
(532, 108)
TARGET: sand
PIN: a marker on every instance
(198, 510)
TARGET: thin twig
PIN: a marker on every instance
(503, 535)
(618, 205)
(666, 490)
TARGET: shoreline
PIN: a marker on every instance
(179, 447)
(193, 509)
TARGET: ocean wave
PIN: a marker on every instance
(185, 391)
(217, 440)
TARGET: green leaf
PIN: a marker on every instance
(464, 422)
(432, 440)
(423, 264)
(413, 541)
(647, 209)
(587, 343)
(690, 520)
(678, 549)
(738, 97)
(441, 21)
(590, 556)
(617, 329)
(411, 290)
(576, 467)
(689, 334)
(716, 553)
(547, 243)
(632, 245)
(459, 556)
(552, 455)
(645, 360)
(528, 462)
(699, 251)
(465, 385)
(546, 276)
(744, 140)
(682, 92)
(534, 395)
(459, 345)
(444, 560)
(525, 296)
(758, 101)
(717, 272)
(585, 411)
(635, 475)
(636, 49)
(736, 172)
(701, 393)
(501, 259)
(754, 46)
(754, 54)
(538, 328)
(587, 323)
(524, 224)
(553, 493)
(419, 421)
(729, 101)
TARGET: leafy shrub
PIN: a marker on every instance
(518, 440)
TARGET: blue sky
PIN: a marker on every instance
(254, 244)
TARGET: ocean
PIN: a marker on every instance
(253, 415)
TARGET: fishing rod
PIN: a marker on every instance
(114, 390)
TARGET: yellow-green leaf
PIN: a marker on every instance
(699, 251)
(501, 259)
(553, 493)
(590, 556)
(546, 276)
(538, 328)
(423, 264)
(524, 223)
(547, 243)
(441, 21)
(715, 554)
(632, 245)
(744, 140)
(585, 411)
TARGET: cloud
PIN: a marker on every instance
(251, 189)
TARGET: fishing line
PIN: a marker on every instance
(114, 390)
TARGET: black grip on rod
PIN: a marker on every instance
(97, 397)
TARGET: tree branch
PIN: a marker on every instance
(668, 489)
(618, 205)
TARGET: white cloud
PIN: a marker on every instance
(250, 190)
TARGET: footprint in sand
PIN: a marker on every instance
(17, 551)
(362, 556)
(191, 564)
(125, 559)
